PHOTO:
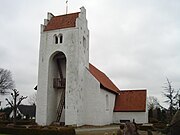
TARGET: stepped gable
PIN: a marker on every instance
(62, 21)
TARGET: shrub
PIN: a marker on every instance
(146, 128)
(19, 122)
(4, 122)
(153, 120)
(28, 131)
(160, 125)
(165, 130)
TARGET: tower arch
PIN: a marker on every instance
(57, 86)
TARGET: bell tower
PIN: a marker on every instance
(63, 58)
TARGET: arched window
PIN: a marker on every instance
(55, 39)
(60, 38)
(84, 42)
(107, 102)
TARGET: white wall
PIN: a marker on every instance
(107, 112)
(45, 90)
(91, 99)
(95, 103)
(140, 117)
(77, 60)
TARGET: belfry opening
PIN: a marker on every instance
(57, 85)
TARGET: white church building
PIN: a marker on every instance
(73, 91)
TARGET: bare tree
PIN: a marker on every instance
(152, 103)
(6, 81)
(32, 99)
(15, 102)
(171, 96)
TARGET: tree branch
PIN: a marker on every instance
(10, 103)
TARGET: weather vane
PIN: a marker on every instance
(66, 6)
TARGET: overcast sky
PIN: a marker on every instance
(135, 42)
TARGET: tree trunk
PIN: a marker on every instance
(14, 116)
(15, 109)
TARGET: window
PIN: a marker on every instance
(55, 39)
(84, 42)
(107, 102)
(60, 38)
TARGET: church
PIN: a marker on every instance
(73, 91)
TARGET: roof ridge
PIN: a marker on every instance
(66, 14)
(133, 90)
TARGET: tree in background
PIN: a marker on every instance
(156, 112)
(171, 96)
(6, 82)
(15, 102)
(32, 99)
(153, 107)
(153, 103)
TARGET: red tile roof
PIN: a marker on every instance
(106, 83)
(131, 101)
(62, 21)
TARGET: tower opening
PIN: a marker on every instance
(57, 85)
(60, 38)
(55, 39)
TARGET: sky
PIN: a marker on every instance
(136, 43)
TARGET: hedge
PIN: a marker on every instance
(19, 122)
(160, 125)
(146, 128)
(31, 131)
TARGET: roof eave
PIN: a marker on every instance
(129, 111)
(112, 91)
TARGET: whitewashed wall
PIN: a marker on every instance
(77, 56)
(95, 103)
(106, 112)
(45, 92)
(91, 99)
(140, 117)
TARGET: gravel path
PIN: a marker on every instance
(107, 130)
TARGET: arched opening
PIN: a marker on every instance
(107, 102)
(57, 87)
(60, 38)
(55, 39)
(84, 42)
